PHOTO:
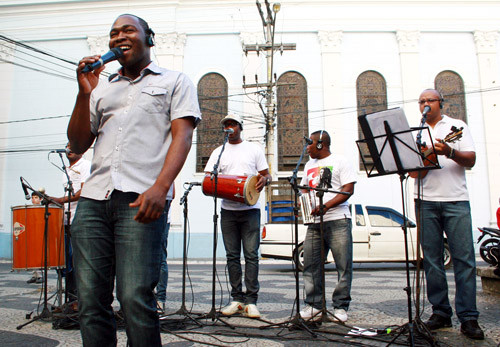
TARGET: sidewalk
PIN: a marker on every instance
(379, 301)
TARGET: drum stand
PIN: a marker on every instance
(46, 313)
(182, 310)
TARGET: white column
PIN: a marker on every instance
(489, 78)
(169, 50)
(408, 42)
(331, 45)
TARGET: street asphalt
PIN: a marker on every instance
(379, 301)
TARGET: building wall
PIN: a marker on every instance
(407, 42)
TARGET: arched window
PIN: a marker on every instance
(451, 86)
(371, 93)
(292, 119)
(212, 96)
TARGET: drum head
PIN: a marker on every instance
(251, 194)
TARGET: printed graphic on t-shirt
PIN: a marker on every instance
(314, 175)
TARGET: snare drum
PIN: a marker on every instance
(28, 226)
(235, 188)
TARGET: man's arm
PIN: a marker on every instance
(64, 199)
(336, 200)
(264, 177)
(79, 133)
(152, 202)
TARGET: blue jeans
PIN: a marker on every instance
(454, 219)
(108, 242)
(161, 288)
(337, 236)
(242, 228)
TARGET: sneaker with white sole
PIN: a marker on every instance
(308, 312)
(252, 311)
(232, 308)
(340, 315)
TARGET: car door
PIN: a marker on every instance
(386, 236)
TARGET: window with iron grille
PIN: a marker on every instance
(292, 119)
(213, 99)
(371, 93)
(451, 87)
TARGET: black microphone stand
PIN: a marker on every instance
(46, 313)
(213, 314)
(296, 321)
(182, 310)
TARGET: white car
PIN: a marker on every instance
(377, 234)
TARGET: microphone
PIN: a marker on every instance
(66, 150)
(229, 131)
(193, 183)
(427, 108)
(27, 195)
(113, 54)
(308, 140)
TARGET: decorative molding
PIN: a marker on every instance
(486, 41)
(7, 50)
(408, 41)
(98, 44)
(330, 41)
(170, 44)
(251, 38)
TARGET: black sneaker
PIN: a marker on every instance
(437, 322)
(472, 330)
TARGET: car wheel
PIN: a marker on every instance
(300, 265)
(447, 257)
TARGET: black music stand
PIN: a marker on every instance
(391, 145)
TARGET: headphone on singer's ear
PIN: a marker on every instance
(319, 144)
(150, 36)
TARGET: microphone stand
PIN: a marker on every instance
(182, 310)
(46, 313)
(67, 229)
(213, 314)
(296, 321)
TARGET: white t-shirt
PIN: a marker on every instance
(78, 173)
(447, 183)
(342, 174)
(243, 159)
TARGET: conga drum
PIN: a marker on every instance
(230, 187)
(28, 247)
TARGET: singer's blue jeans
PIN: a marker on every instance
(454, 219)
(337, 236)
(242, 228)
(108, 242)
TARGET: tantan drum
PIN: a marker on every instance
(28, 226)
(236, 188)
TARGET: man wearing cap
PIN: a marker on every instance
(240, 223)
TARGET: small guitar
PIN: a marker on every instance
(430, 156)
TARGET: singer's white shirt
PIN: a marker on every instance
(131, 121)
(342, 174)
(449, 182)
(78, 173)
(242, 159)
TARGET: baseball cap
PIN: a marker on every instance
(234, 117)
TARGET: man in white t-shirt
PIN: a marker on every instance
(78, 171)
(332, 171)
(240, 223)
(444, 206)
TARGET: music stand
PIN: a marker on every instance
(393, 150)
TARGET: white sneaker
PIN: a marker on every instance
(340, 315)
(252, 311)
(308, 312)
(232, 308)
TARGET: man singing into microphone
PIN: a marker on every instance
(142, 119)
(332, 171)
(444, 207)
(240, 223)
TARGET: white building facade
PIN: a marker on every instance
(407, 43)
